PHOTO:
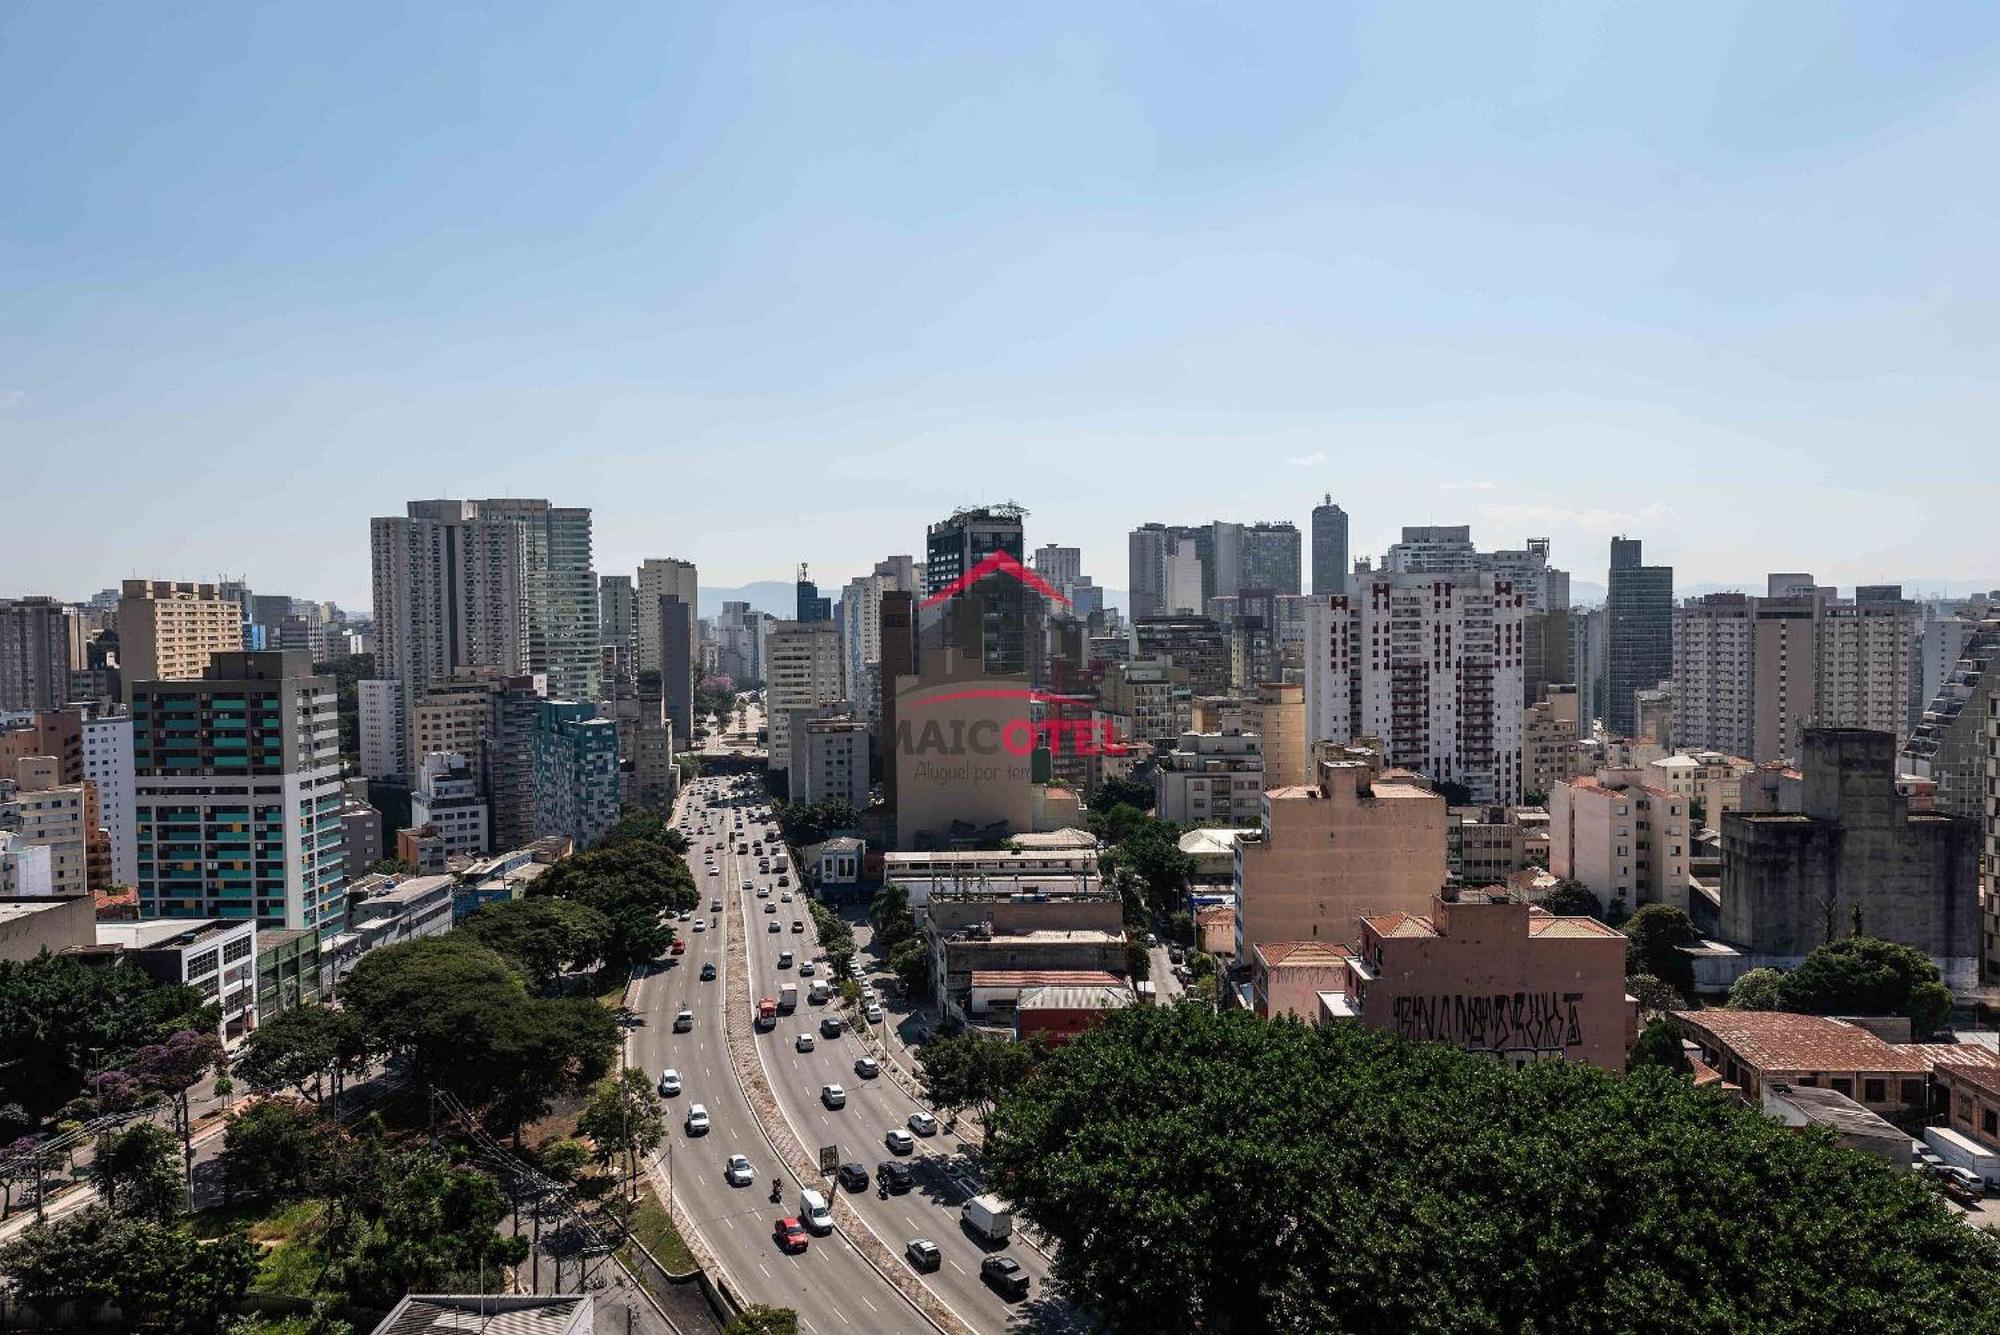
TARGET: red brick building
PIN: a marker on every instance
(1056, 1014)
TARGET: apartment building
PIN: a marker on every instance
(107, 768)
(1147, 700)
(1549, 751)
(1358, 841)
(803, 666)
(1785, 667)
(1196, 645)
(833, 766)
(1429, 663)
(38, 639)
(577, 787)
(447, 799)
(384, 726)
(40, 811)
(1713, 672)
(1211, 778)
(171, 632)
(1624, 838)
(237, 793)
(1866, 657)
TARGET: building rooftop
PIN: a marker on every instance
(1045, 978)
(412, 889)
(1779, 1041)
(12, 910)
(1543, 923)
(1044, 936)
(1983, 1076)
(1059, 997)
(1798, 1105)
(1052, 840)
(1217, 840)
(491, 1314)
(1215, 915)
(1306, 953)
(166, 933)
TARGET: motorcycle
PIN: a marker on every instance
(777, 1190)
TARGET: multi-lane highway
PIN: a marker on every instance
(830, 1284)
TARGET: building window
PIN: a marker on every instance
(1842, 1085)
(1913, 1093)
(1874, 1091)
(1989, 1122)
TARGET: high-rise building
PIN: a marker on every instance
(1865, 652)
(170, 632)
(37, 637)
(899, 659)
(833, 761)
(804, 675)
(107, 766)
(677, 655)
(1329, 542)
(237, 793)
(1626, 839)
(1194, 644)
(1949, 745)
(810, 604)
(1714, 656)
(1169, 571)
(1060, 566)
(860, 619)
(668, 578)
(1639, 632)
(559, 593)
(1785, 669)
(41, 811)
(1432, 549)
(450, 593)
(1430, 665)
(384, 720)
(618, 617)
(507, 759)
(1263, 555)
(447, 799)
(576, 782)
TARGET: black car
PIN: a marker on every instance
(895, 1175)
(708, 973)
(1004, 1273)
(830, 1026)
(854, 1176)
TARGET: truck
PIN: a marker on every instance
(788, 998)
(778, 862)
(988, 1217)
(1962, 1151)
(767, 1013)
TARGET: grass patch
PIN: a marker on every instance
(649, 1224)
(290, 1238)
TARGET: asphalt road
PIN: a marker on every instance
(831, 1287)
(873, 1106)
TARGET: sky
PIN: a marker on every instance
(763, 284)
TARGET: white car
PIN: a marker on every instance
(697, 1120)
(899, 1141)
(737, 1171)
(923, 1124)
(803, 1043)
(872, 1013)
(833, 1096)
(670, 1083)
(700, 926)
(787, 896)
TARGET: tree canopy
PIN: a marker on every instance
(1217, 1172)
(1756, 990)
(1572, 899)
(299, 1047)
(1863, 975)
(162, 1277)
(546, 937)
(62, 1020)
(805, 823)
(1119, 790)
(969, 1070)
(1655, 934)
(632, 877)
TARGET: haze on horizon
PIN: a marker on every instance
(779, 283)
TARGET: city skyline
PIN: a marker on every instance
(1527, 280)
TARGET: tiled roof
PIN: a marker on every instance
(1983, 1076)
(1969, 1055)
(1214, 914)
(1045, 978)
(1543, 923)
(1300, 952)
(1780, 1041)
(1101, 997)
(1400, 924)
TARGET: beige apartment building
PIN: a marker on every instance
(1276, 713)
(1211, 778)
(1623, 837)
(1357, 842)
(169, 631)
(1785, 673)
(455, 719)
(1549, 741)
(42, 811)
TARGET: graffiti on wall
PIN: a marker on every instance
(1501, 1022)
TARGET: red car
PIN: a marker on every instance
(679, 947)
(790, 1235)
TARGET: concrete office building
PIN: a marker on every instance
(237, 793)
(576, 782)
(1639, 632)
(992, 619)
(1329, 548)
(1266, 555)
(1358, 841)
(618, 618)
(1948, 746)
(454, 718)
(860, 617)
(107, 767)
(1624, 838)
(384, 719)
(1793, 880)
(216, 957)
(1866, 650)
(449, 594)
(170, 632)
(803, 674)
(1714, 639)
(1429, 663)
(833, 756)
(1785, 672)
(1195, 645)
(665, 577)
(1060, 566)
(447, 799)
(42, 811)
(37, 636)
(1165, 568)
(678, 654)
(1147, 701)
(507, 759)
(899, 660)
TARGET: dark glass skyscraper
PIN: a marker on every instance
(1639, 633)
(1329, 538)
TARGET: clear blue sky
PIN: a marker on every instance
(763, 284)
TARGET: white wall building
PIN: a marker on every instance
(107, 763)
(26, 870)
(447, 798)
(1865, 661)
(664, 578)
(1714, 673)
(216, 957)
(803, 673)
(1430, 664)
(1624, 838)
(385, 727)
(833, 762)
(1212, 778)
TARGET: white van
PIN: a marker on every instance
(814, 1213)
(819, 992)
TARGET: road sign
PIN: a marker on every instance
(829, 1158)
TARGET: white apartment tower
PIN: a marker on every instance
(1714, 659)
(107, 762)
(1865, 660)
(1429, 664)
(664, 577)
(802, 672)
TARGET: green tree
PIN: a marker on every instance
(545, 937)
(62, 1022)
(1212, 1171)
(762, 1320)
(391, 867)
(1660, 1046)
(623, 1118)
(1655, 997)
(171, 1069)
(1756, 990)
(1655, 935)
(1863, 975)
(911, 963)
(1572, 899)
(276, 1148)
(299, 1048)
(963, 1071)
(138, 1172)
(564, 1159)
(805, 823)
(1118, 790)
(163, 1278)
(433, 1231)
(891, 918)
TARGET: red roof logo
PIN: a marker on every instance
(1000, 562)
